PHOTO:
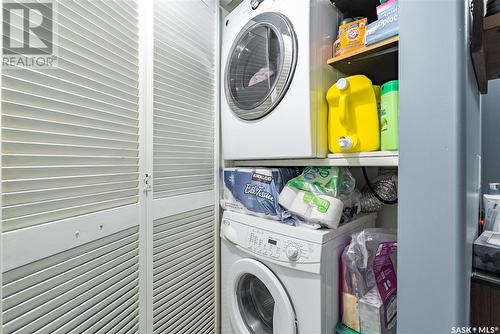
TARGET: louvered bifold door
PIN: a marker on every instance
(184, 155)
(71, 199)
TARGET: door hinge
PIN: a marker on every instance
(147, 182)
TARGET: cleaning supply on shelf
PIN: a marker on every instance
(368, 281)
(336, 47)
(491, 203)
(387, 24)
(377, 308)
(387, 8)
(353, 120)
(318, 195)
(351, 37)
(389, 111)
(346, 20)
(487, 252)
(255, 191)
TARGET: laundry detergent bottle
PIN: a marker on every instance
(353, 120)
(389, 116)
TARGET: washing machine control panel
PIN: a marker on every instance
(282, 248)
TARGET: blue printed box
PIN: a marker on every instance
(387, 24)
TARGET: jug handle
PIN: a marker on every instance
(343, 110)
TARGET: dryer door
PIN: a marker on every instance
(260, 66)
(259, 303)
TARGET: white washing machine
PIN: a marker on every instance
(281, 279)
(275, 77)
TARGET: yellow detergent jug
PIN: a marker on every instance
(353, 122)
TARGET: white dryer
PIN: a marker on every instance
(275, 77)
(281, 279)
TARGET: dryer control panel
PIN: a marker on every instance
(274, 246)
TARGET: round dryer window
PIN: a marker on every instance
(260, 66)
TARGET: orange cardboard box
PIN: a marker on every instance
(351, 37)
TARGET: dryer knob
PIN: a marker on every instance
(292, 252)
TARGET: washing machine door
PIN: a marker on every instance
(259, 303)
(260, 66)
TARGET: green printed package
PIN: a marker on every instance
(321, 204)
(319, 195)
(332, 181)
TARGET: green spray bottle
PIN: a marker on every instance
(389, 105)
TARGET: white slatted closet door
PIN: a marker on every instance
(71, 205)
(184, 167)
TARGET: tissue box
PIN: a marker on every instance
(372, 314)
(255, 191)
(487, 252)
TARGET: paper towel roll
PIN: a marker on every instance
(305, 205)
(330, 218)
(299, 206)
(287, 196)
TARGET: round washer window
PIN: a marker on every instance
(260, 66)
(256, 304)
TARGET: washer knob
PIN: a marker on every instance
(292, 252)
